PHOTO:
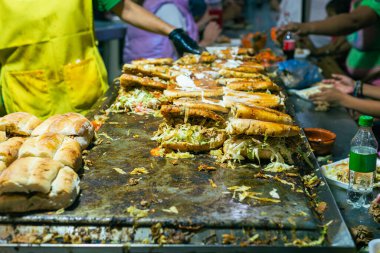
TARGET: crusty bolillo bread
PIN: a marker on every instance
(178, 93)
(207, 104)
(70, 124)
(260, 83)
(232, 97)
(147, 71)
(55, 146)
(3, 136)
(19, 123)
(171, 111)
(237, 74)
(64, 191)
(153, 61)
(127, 81)
(260, 113)
(29, 174)
(9, 151)
(257, 127)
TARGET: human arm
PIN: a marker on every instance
(334, 96)
(346, 85)
(342, 24)
(137, 16)
(210, 34)
(371, 91)
(205, 19)
(141, 18)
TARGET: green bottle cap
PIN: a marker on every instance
(366, 121)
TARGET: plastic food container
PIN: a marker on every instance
(321, 140)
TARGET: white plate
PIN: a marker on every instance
(301, 53)
(330, 170)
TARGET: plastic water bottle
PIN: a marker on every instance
(289, 45)
(362, 164)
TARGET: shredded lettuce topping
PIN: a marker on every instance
(138, 100)
(250, 148)
(193, 134)
(278, 167)
(179, 155)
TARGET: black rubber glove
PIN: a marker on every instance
(183, 43)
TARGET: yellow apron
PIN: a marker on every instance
(49, 63)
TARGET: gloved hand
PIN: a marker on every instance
(183, 43)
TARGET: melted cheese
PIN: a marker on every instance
(186, 83)
(232, 64)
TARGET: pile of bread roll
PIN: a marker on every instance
(39, 160)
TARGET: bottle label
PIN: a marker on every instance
(289, 45)
(362, 162)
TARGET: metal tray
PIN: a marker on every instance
(206, 214)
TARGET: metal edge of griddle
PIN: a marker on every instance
(338, 232)
(106, 100)
(175, 248)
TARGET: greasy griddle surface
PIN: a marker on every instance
(106, 194)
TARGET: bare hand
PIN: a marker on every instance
(330, 95)
(298, 28)
(210, 34)
(342, 83)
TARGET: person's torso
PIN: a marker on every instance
(143, 44)
(49, 60)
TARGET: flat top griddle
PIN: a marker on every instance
(106, 194)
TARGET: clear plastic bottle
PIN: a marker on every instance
(289, 45)
(362, 164)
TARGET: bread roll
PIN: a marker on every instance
(9, 151)
(147, 71)
(256, 127)
(55, 146)
(64, 191)
(19, 123)
(251, 98)
(3, 136)
(201, 104)
(127, 81)
(260, 113)
(177, 93)
(153, 61)
(232, 73)
(29, 174)
(171, 111)
(69, 124)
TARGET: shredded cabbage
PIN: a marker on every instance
(138, 100)
(278, 167)
(193, 134)
(179, 155)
